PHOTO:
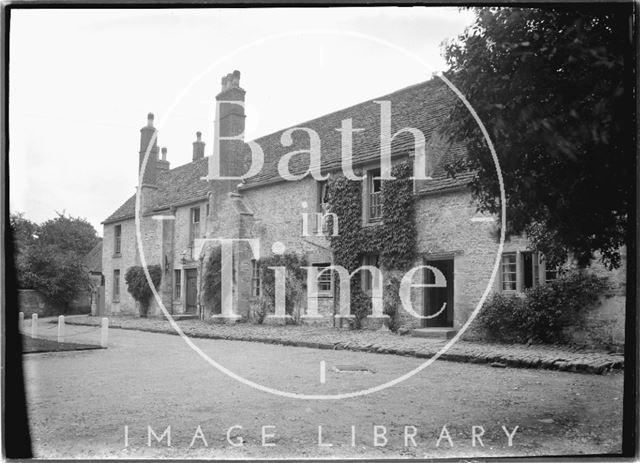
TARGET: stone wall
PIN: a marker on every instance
(31, 301)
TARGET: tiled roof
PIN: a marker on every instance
(93, 260)
(177, 186)
(424, 106)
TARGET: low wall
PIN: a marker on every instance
(31, 301)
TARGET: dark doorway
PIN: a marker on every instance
(435, 298)
(192, 291)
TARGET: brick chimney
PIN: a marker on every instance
(146, 134)
(163, 164)
(198, 147)
(231, 119)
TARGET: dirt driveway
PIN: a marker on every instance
(81, 402)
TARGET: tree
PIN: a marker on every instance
(551, 86)
(138, 286)
(58, 276)
(69, 234)
(49, 256)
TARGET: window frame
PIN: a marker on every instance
(115, 295)
(177, 283)
(514, 272)
(368, 194)
(324, 278)
(117, 240)
(194, 227)
(256, 279)
(539, 271)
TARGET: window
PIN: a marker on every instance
(117, 239)
(325, 279)
(319, 221)
(323, 197)
(116, 286)
(194, 230)
(550, 273)
(255, 278)
(525, 270)
(177, 279)
(368, 283)
(509, 272)
(372, 206)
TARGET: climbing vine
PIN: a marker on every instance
(394, 239)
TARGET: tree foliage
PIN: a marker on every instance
(49, 256)
(138, 285)
(545, 312)
(550, 86)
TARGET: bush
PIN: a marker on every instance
(138, 286)
(259, 309)
(361, 306)
(546, 310)
(391, 303)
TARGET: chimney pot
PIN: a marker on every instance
(150, 120)
(164, 153)
(198, 147)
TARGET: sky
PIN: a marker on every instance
(81, 83)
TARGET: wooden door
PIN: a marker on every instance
(435, 298)
(192, 291)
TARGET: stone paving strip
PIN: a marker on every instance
(564, 358)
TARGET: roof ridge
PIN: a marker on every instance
(397, 92)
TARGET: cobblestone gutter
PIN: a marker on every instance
(499, 355)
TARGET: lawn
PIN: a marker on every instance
(32, 346)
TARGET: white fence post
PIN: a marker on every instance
(61, 328)
(34, 325)
(20, 321)
(104, 332)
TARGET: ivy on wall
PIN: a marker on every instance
(394, 239)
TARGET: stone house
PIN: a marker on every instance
(179, 206)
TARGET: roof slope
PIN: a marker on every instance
(93, 259)
(424, 106)
(177, 186)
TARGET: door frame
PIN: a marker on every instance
(451, 290)
(185, 272)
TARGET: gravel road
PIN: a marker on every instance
(81, 403)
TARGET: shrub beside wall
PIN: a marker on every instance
(545, 311)
(139, 287)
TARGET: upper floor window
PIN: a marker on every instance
(372, 198)
(194, 226)
(117, 239)
(323, 197)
